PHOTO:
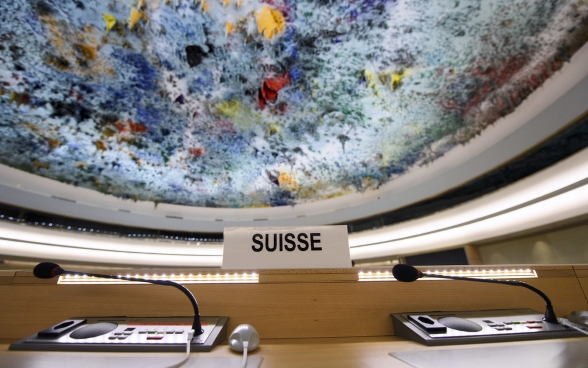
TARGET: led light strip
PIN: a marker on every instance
(200, 278)
(376, 276)
(498, 273)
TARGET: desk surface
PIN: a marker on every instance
(307, 353)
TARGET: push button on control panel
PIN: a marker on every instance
(427, 323)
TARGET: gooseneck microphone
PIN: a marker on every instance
(407, 273)
(48, 270)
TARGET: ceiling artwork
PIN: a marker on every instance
(247, 103)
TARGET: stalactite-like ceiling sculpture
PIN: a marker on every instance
(248, 103)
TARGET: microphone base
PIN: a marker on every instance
(127, 334)
(472, 327)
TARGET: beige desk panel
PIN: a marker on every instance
(286, 353)
(295, 353)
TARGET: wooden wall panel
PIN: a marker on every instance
(277, 310)
(584, 285)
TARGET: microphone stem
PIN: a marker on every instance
(549, 313)
(196, 326)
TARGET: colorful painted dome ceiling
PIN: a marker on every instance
(247, 103)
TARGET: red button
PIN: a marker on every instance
(155, 337)
(535, 326)
(533, 321)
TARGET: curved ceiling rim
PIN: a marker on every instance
(520, 220)
(555, 193)
(565, 96)
(52, 237)
(563, 186)
(132, 253)
(553, 180)
(105, 257)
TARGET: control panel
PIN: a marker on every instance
(451, 328)
(126, 334)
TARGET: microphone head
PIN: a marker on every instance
(47, 270)
(406, 273)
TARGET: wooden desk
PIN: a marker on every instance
(284, 304)
(307, 353)
(305, 318)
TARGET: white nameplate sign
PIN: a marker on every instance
(286, 247)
